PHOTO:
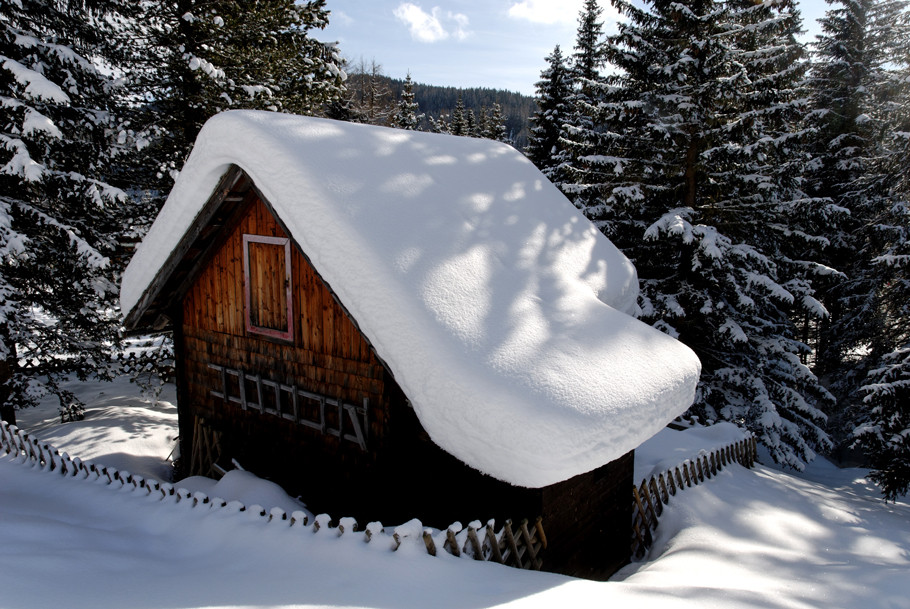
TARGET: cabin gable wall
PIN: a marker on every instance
(391, 472)
(327, 355)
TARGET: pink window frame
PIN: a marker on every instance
(247, 287)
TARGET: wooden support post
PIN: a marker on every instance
(511, 545)
(322, 423)
(295, 404)
(530, 550)
(476, 546)
(194, 459)
(652, 513)
(664, 493)
(452, 544)
(496, 553)
(652, 490)
(638, 541)
(260, 402)
(641, 508)
(541, 535)
(241, 381)
(428, 542)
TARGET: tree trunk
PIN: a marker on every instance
(691, 175)
(7, 412)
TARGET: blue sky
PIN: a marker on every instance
(468, 43)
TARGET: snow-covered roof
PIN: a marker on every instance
(504, 315)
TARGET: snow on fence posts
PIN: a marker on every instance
(651, 495)
(517, 547)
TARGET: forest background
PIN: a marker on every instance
(759, 185)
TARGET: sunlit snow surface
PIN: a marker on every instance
(744, 539)
(501, 311)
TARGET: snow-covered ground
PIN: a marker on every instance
(747, 538)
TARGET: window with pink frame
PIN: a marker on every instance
(267, 286)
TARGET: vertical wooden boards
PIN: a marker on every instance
(326, 353)
(215, 301)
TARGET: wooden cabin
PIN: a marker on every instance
(296, 359)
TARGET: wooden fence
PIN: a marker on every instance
(651, 495)
(517, 546)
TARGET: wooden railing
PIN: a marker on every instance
(651, 495)
(519, 546)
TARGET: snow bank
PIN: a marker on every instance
(122, 428)
(750, 538)
(247, 488)
(502, 312)
(669, 448)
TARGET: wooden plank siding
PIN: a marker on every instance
(213, 331)
(402, 474)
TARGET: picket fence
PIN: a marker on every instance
(652, 494)
(517, 546)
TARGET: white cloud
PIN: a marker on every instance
(341, 16)
(429, 27)
(546, 11)
(461, 25)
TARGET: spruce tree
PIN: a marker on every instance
(406, 115)
(459, 122)
(199, 57)
(883, 421)
(552, 99)
(850, 122)
(883, 425)
(843, 143)
(860, 120)
(582, 138)
(59, 217)
(495, 128)
(692, 162)
(471, 123)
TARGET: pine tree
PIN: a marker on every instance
(860, 117)
(689, 171)
(200, 57)
(553, 91)
(885, 434)
(582, 138)
(59, 217)
(851, 120)
(459, 122)
(406, 115)
(440, 124)
(843, 143)
(495, 128)
(471, 123)
(589, 56)
(883, 424)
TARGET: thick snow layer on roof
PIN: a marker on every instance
(502, 312)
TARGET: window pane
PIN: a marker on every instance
(267, 277)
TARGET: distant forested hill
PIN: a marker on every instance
(437, 101)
